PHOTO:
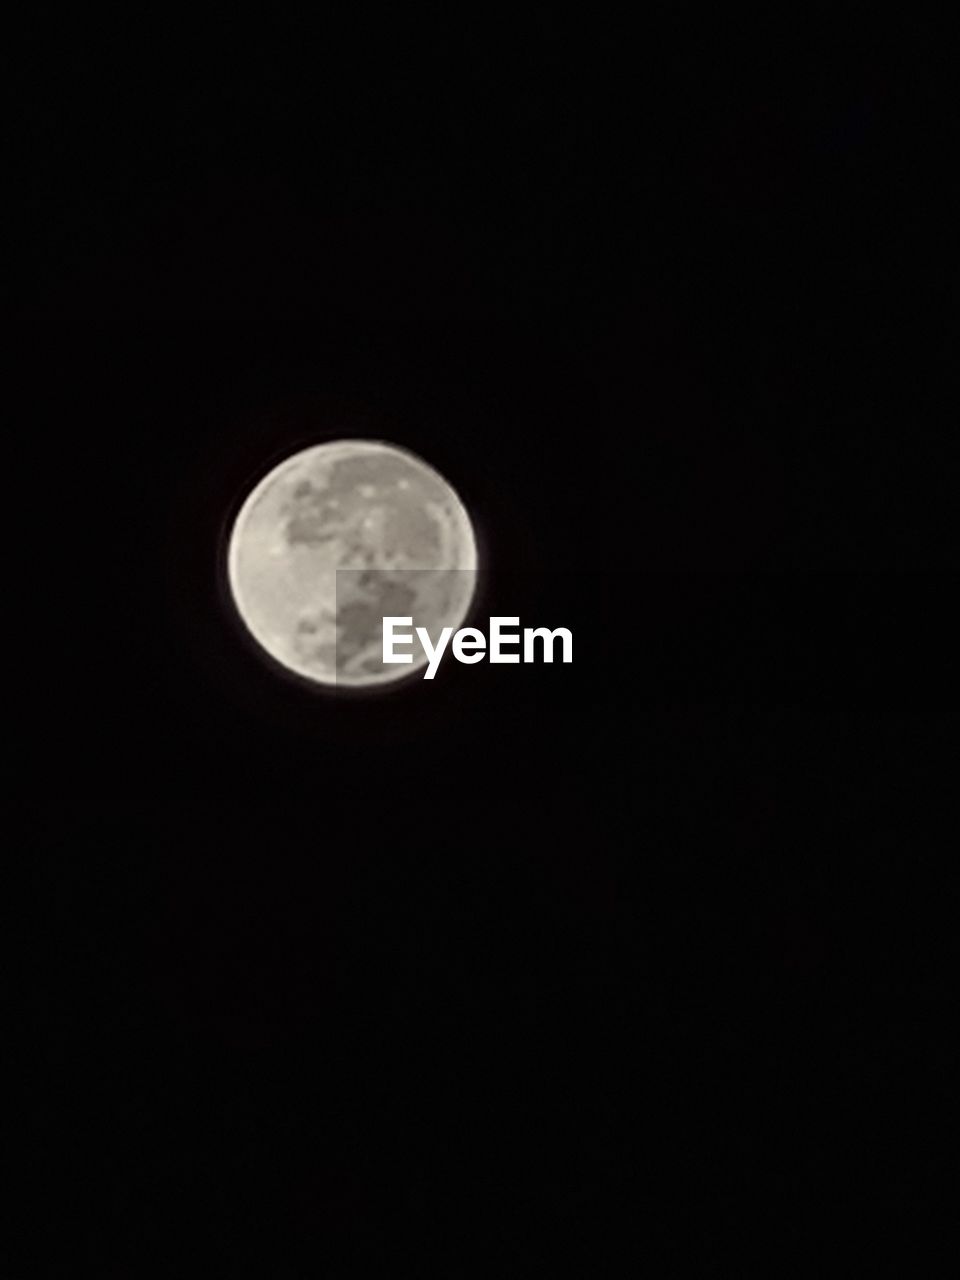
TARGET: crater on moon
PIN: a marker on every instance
(335, 538)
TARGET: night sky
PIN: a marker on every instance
(641, 955)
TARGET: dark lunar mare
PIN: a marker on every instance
(309, 516)
(359, 621)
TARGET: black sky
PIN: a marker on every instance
(526, 956)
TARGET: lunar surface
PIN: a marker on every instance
(334, 539)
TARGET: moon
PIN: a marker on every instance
(338, 536)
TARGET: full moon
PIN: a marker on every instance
(335, 538)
